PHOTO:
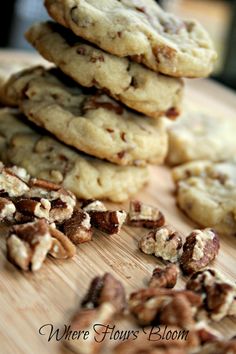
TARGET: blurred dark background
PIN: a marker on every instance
(218, 17)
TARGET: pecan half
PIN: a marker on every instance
(109, 222)
(218, 294)
(105, 289)
(28, 244)
(164, 277)
(165, 242)
(164, 306)
(143, 215)
(90, 320)
(62, 247)
(200, 248)
(7, 210)
(78, 227)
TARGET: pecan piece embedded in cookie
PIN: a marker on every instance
(200, 248)
(7, 210)
(105, 289)
(218, 293)
(165, 242)
(28, 244)
(164, 277)
(143, 215)
(78, 227)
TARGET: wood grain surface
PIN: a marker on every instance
(51, 295)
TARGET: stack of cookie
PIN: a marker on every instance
(118, 73)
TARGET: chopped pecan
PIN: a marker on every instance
(62, 201)
(32, 208)
(62, 247)
(7, 210)
(162, 306)
(143, 215)
(164, 277)
(178, 312)
(108, 221)
(165, 242)
(93, 205)
(105, 289)
(28, 244)
(78, 227)
(218, 293)
(200, 248)
(89, 321)
(11, 184)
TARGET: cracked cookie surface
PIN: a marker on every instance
(44, 157)
(87, 119)
(142, 30)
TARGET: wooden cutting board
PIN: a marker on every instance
(52, 295)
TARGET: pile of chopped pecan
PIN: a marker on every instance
(156, 310)
(46, 219)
